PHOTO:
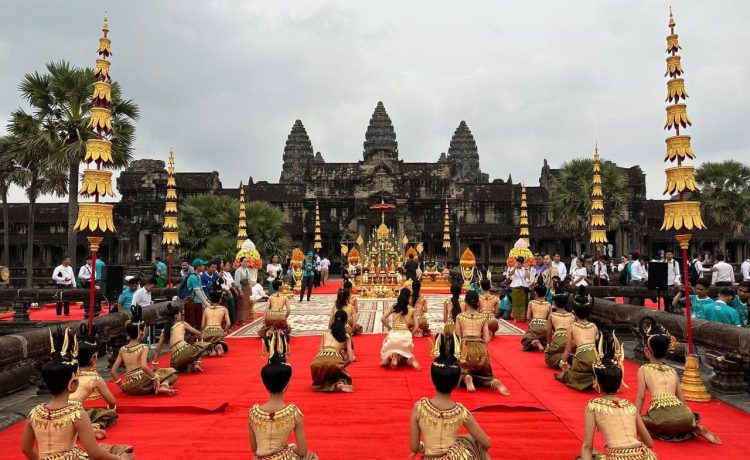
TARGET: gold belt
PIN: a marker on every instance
(73, 452)
(560, 331)
(177, 347)
(586, 347)
(284, 453)
(539, 321)
(399, 327)
(635, 453)
(664, 400)
(328, 351)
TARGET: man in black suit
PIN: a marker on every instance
(410, 266)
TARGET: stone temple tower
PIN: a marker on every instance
(464, 156)
(380, 135)
(298, 154)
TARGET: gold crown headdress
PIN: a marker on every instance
(610, 352)
(441, 345)
(648, 328)
(88, 337)
(276, 344)
(62, 351)
(136, 315)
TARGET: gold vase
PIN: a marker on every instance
(692, 384)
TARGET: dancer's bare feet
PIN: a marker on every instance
(198, 368)
(498, 385)
(394, 362)
(165, 390)
(708, 435)
(100, 434)
(538, 345)
(344, 388)
(469, 384)
(413, 363)
(220, 350)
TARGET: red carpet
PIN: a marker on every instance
(48, 313)
(541, 419)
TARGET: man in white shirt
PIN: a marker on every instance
(84, 273)
(674, 280)
(601, 271)
(325, 264)
(520, 279)
(638, 277)
(723, 273)
(142, 296)
(698, 265)
(746, 269)
(573, 261)
(559, 265)
(63, 277)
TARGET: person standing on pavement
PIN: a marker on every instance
(308, 276)
(325, 264)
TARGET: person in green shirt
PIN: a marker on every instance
(161, 273)
(194, 283)
(722, 312)
(740, 302)
(699, 302)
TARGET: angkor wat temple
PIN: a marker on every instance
(484, 213)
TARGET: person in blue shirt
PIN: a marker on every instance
(505, 307)
(161, 273)
(126, 298)
(209, 277)
(722, 312)
(308, 276)
(740, 302)
(195, 283)
(98, 269)
(699, 302)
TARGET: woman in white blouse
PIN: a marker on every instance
(273, 270)
(579, 274)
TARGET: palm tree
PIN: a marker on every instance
(8, 176)
(725, 196)
(208, 222)
(61, 100)
(37, 172)
(570, 195)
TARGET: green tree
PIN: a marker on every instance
(61, 100)
(725, 196)
(570, 195)
(208, 227)
(37, 172)
(9, 171)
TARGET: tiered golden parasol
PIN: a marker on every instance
(681, 215)
(317, 244)
(524, 223)
(242, 225)
(170, 236)
(446, 229)
(95, 218)
(598, 224)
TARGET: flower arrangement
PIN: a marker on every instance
(252, 255)
(520, 248)
(297, 257)
(468, 260)
(354, 256)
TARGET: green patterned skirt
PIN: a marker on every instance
(580, 375)
(669, 419)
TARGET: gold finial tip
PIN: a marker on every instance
(105, 26)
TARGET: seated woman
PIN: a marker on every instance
(215, 324)
(183, 356)
(437, 420)
(474, 335)
(271, 423)
(352, 310)
(343, 303)
(557, 331)
(419, 304)
(91, 386)
(57, 425)
(328, 368)
(451, 308)
(617, 419)
(668, 417)
(489, 304)
(537, 314)
(277, 312)
(139, 378)
(581, 336)
(398, 346)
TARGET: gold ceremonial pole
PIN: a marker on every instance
(598, 225)
(317, 244)
(170, 235)
(524, 223)
(242, 225)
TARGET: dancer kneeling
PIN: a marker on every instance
(184, 357)
(451, 308)
(140, 379)
(668, 418)
(215, 324)
(581, 335)
(437, 420)
(398, 346)
(419, 303)
(488, 304)
(617, 419)
(277, 312)
(328, 368)
(472, 330)
(271, 423)
(557, 330)
(343, 303)
(537, 315)
(56, 425)
(91, 386)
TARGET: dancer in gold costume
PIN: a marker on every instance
(617, 419)
(271, 423)
(277, 312)
(343, 303)
(581, 337)
(91, 386)
(489, 304)
(215, 324)
(139, 378)
(537, 315)
(437, 420)
(183, 356)
(557, 330)
(472, 330)
(57, 425)
(328, 368)
(419, 304)
(668, 417)
(451, 308)
(398, 346)
(353, 310)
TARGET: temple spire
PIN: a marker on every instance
(598, 226)
(298, 154)
(380, 135)
(242, 224)
(524, 222)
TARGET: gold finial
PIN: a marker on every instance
(105, 26)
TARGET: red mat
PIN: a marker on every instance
(541, 419)
(48, 313)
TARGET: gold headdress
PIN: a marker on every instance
(648, 328)
(136, 317)
(610, 353)
(444, 349)
(275, 345)
(61, 349)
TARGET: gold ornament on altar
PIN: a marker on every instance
(344, 250)
(353, 256)
(468, 259)
(383, 232)
(598, 225)
(411, 251)
(420, 248)
(360, 240)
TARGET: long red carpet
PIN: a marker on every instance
(541, 419)
(47, 312)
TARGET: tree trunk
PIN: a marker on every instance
(6, 231)
(73, 172)
(30, 250)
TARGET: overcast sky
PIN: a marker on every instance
(223, 81)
